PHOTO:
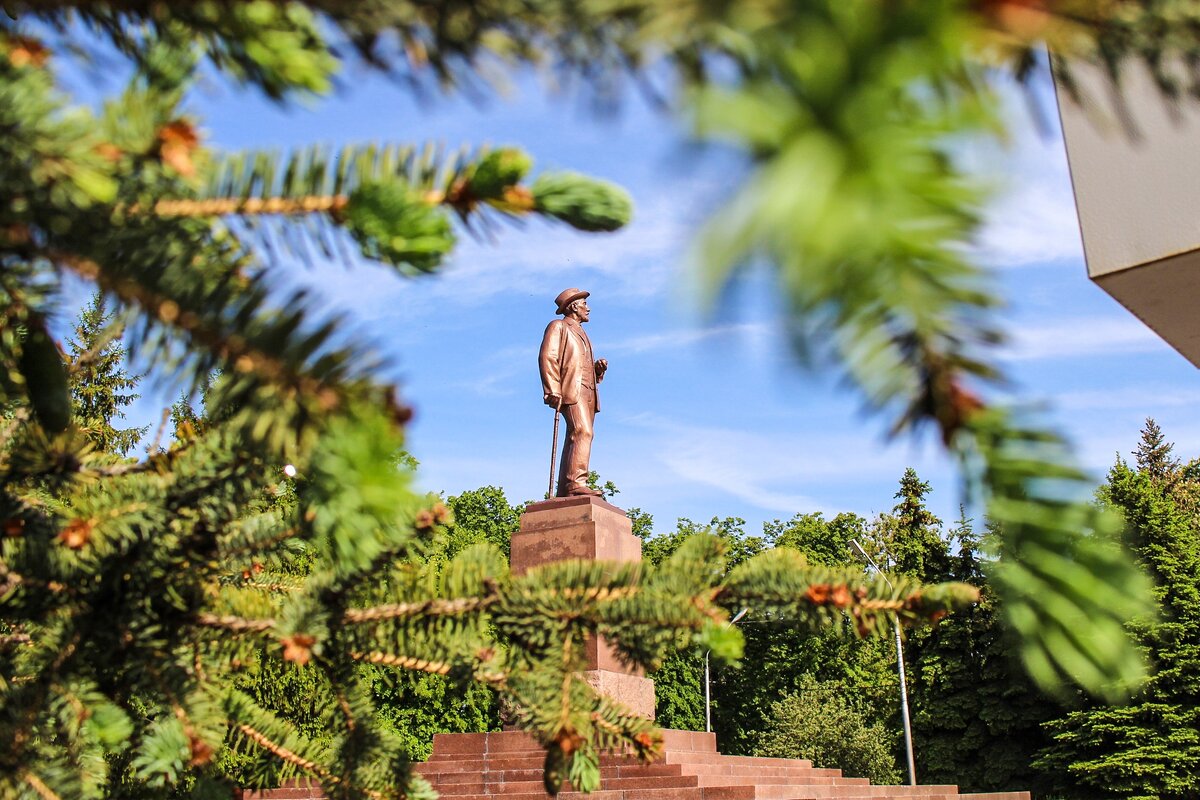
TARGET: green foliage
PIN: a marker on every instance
(1153, 454)
(417, 706)
(497, 171)
(976, 715)
(100, 384)
(1058, 561)
(915, 540)
(641, 523)
(822, 541)
(45, 376)
(582, 202)
(392, 224)
(483, 515)
(817, 723)
(1149, 748)
(679, 691)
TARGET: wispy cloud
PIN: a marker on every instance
(1084, 336)
(755, 333)
(1031, 220)
(763, 470)
(634, 263)
(1142, 398)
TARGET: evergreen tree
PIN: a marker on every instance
(976, 716)
(913, 537)
(1149, 748)
(1153, 454)
(100, 385)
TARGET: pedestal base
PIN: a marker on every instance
(634, 691)
(586, 528)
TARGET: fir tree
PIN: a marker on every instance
(914, 535)
(100, 385)
(1149, 748)
(976, 716)
(1153, 454)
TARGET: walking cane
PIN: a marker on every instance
(562, 344)
(554, 449)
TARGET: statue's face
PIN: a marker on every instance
(580, 310)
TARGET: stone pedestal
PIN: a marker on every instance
(588, 528)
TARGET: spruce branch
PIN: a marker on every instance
(235, 624)
(427, 608)
(404, 662)
(284, 754)
(38, 785)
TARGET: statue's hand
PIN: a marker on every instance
(553, 400)
(601, 368)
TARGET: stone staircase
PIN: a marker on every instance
(484, 766)
(508, 765)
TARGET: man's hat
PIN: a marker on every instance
(568, 296)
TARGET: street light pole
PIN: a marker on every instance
(908, 742)
(707, 692)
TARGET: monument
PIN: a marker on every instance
(577, 523)
(570, 377)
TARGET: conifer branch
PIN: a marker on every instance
(234, 349)
(14, 423)
(404, 662)
(259, 546)
(426, 608)
(159, 461)
(39, 786)
(284, 754)
(234, 624)
(249, 206)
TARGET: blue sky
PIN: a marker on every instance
(702, 416)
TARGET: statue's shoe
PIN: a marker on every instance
(584, 491)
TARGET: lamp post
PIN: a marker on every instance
(707, 693)
(908, 742)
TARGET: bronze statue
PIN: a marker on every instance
(569, 379)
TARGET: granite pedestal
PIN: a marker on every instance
(586, 528)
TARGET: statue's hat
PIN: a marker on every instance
(568, 296)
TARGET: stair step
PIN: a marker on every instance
(799, 774)
(856, 791)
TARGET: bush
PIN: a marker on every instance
(817, 723)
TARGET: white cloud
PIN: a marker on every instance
(756, 334)
(1034, 221)
(1031, 221)
(1142, 398)
(764, 469)
(1083, 336)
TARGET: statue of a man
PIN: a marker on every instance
(569, 379)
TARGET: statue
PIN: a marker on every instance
(569, 379)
